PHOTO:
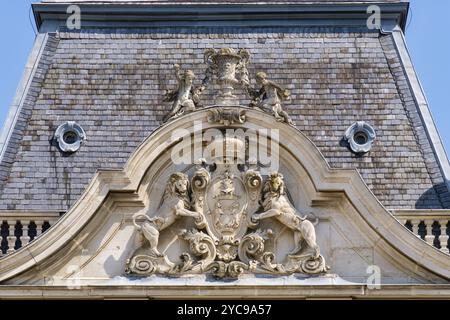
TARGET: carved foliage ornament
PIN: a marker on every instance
(229, 239)
(227, 116)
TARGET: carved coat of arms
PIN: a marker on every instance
(227, 204)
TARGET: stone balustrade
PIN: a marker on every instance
(17, 229)
(431, 226)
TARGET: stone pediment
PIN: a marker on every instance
(226, 192)
(96, 242)
(226, 239)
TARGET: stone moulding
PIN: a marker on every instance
(288, 13)
(110, 189)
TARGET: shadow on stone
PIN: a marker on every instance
(437, 197)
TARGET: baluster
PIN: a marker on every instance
(11, 237)
(429, 238)
(443, 238)
(25, 238)
(1, 240)
(415, 227)
(39, 225)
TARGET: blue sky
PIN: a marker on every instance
(427, 36)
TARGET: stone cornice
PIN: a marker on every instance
(220, 14)
(227, 291)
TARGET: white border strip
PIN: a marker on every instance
(422, 104)
(22, 92)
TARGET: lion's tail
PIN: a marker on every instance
(138, 227)
(314, 222)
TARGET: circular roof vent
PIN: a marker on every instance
(360, 137)
(70, 136)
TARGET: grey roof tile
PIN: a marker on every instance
(110, 78)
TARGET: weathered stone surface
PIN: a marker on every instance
(111, 82)
(354, 231)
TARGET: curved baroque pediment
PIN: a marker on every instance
(230, 220)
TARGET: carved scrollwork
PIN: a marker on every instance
(253, 182)
(226, 116)
(252, 245)
(314, 265)
(200, 181)
(306, 265)
(252, 248)
(226, 248)
(201, 245)
(236, 268)
(141, 265)
(218, 268)
(187, 265)
(148, 265)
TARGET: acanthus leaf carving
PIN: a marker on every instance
(252, 248)
(202, 246)
(148, 265)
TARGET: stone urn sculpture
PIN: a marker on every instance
(230, 70)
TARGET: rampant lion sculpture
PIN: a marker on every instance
(276, 205)
(176, 203)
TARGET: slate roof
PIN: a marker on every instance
(111, 81)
